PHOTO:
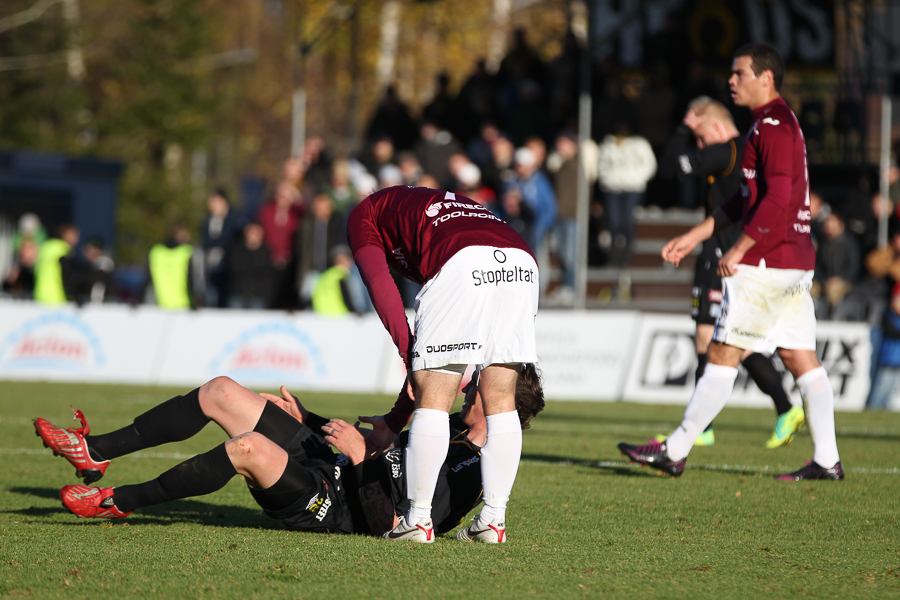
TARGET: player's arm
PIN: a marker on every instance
(377, 508)
(728, 263)
(678, 145)
(368, 252)
(711, 160)
(385, 297)
(677, 248)
(386, 428)
(374, 503)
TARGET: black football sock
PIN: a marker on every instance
(197, 476)
(767, 379)
(172, 421)
(290, 487)
(277, 425)
(701, 367)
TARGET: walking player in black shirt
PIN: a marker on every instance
(284, 453)
(715, 159)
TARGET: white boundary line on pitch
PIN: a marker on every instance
(615, 427)
(529, 462)
(752, 468)
(177, 455)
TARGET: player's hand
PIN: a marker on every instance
(346, 438)
(677, 248)
(288, 403)
(381, 437)
(728, 263)
(409, 386)
(692, 120)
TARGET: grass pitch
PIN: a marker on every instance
(582, 522)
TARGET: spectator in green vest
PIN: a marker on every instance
(171, 272)
(54, 272)
(332, 296)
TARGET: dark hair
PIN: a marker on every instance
(529, 394)
(764, 57)
(221, 192)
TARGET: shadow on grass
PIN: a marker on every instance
(603, 466)
(622, 467)
(170, 513)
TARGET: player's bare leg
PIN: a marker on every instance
(817, 393)
(231, 406)
(502, 452)
(429, 439)
(260, 460)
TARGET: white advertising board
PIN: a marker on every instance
(585, 355)
(665, 360)
(596, 355)
(267, 348)
(115, 344)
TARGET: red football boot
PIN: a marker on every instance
(70, 444)
(90, 502)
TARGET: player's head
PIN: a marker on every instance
(714, 124)
(756, 75)
(529, 395)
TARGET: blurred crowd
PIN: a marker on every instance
(506, 140)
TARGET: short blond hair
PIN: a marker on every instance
(704, 106)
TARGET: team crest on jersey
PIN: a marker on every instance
(314, 503)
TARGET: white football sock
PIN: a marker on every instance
(815, 388)
(429, 439)
(710, 396)
(500, 463)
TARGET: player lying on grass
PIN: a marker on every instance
(282, 450)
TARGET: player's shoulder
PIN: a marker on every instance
(776, 124)
(777, 118)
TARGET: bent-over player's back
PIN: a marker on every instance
(421, 228)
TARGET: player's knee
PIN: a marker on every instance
(215, 392)
(246, 449)
(799, 362)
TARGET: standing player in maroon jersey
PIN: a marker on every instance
(768, 274)
(477, 306)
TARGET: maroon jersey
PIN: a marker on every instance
(416, 231)
(773, 202)
(420, 228)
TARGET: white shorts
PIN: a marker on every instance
(478, 310)
(764, 309)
